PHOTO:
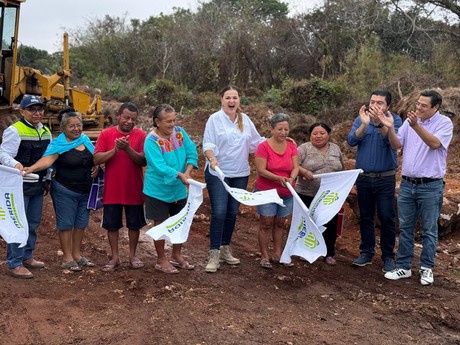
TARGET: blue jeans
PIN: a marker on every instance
(224, 208)
(377, 194)
(14, 255)
(414, 200)
(70, 207)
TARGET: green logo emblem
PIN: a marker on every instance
(330, 198)
(310, 240)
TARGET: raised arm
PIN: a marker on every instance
(386, 119)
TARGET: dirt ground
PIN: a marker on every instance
(304, 304)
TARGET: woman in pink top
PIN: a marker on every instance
(277, 164)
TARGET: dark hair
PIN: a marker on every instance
(128, 105)
(65, 115)
(277, 118)
(384, 93)
(159, 109)
(435, 97)
(320, 124)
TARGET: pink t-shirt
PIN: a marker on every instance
(279, 164)
(123, 179)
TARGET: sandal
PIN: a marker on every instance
(136, 263)
(71, 266)
(84, 262)
(266, 264)
(185, 265)
(110, 267)
(291, 264)
(168, 270)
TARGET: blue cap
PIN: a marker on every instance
(30, 100)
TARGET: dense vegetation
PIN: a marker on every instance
(311, 62)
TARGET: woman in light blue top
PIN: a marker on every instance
(171, 157)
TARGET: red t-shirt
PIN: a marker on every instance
(279, 164)
(123, 179)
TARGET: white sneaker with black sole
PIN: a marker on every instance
(426, 276)
(398, 273)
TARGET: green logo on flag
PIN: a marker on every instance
(178, 223)
(12, 211)
(330, 198)
(310, 240)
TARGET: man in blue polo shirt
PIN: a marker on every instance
(376, 185)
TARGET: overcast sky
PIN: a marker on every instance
(43, 22)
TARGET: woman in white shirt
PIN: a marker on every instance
(229, 138)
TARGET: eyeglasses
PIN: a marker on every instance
(75, 127)
(35, 110)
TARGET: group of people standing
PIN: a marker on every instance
(424, 138)
(230, 136)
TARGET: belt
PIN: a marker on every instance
(380, 174)
(420, 180)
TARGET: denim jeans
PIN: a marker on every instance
(224, 208)
(70, 207)
(14, 255)
(414, 200)
(377, 194)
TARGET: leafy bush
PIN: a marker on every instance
(311, 96)
(117, 88)
(208, 100)
(165, 91)
(273, 95)
(160, 91)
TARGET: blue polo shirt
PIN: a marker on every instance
(374, 151)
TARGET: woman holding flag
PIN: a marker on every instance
(229, 137)
(71, 155)
(171, 156)
(277, 164)
(318, 156)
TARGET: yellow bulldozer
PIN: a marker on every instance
(54, 90)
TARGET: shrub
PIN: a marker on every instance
(160, 91)
(311, 96)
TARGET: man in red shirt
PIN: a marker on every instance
(121, 148)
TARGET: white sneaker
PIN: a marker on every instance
(398, 273)
(426, 276)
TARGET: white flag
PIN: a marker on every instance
(13, 222)
(175, 229)
(331, 194)
(304, 239)
(251, 198)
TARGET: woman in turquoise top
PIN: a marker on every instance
(171, 157)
